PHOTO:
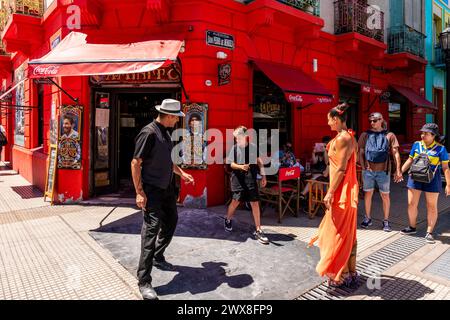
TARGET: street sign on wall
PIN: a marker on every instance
(219, 39)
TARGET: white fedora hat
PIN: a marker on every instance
(170, 106)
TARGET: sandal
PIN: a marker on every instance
(354, 283)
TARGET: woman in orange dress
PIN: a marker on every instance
(337, 232)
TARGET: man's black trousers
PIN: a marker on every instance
(160, 221)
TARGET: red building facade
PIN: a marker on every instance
(353, 67)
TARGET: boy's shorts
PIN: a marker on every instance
(248, 195)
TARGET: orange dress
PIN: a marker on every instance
(337, 231)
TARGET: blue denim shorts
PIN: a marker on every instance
(377, 178)
(435, 186)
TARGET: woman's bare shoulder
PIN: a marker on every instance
(344, 138)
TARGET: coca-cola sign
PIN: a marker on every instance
(290, 173)
(46, 70)
(294, 98)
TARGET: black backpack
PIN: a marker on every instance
(377, 147)
(3, 140)
(420, 170)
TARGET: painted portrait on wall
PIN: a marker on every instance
(19, 116)
(69, 142)
(194, 144)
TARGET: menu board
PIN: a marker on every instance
(51, 174)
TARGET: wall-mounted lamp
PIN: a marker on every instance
(221, 55)
(315, 65)
(208, 83)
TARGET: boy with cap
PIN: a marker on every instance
(375, 148)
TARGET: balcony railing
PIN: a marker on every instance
(406, 39)
(357, 16)
(310, 6)
(27, 7)
(438, 58)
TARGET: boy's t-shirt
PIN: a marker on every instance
(241, 180)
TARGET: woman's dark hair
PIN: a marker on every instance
(326, 139)
(440, 139)
(340, 112)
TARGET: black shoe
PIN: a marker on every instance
(147, 292)
(367, 222)
(163, 265)
(386, 226)
(228, 225)
(409, 230)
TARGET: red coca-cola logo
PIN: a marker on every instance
(46, 70)
(290, 173)
(295, 98)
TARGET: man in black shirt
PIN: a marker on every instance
(152, 170)
(244, 187)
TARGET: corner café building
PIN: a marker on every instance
(270, 48)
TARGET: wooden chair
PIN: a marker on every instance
(281, 194)
(317, 192)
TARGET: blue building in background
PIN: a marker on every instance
(437, 18)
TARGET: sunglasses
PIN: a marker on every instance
(374, 120)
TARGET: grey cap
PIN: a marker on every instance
(431, 127)
(375, 115)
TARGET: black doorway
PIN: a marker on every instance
(350, 94)
(130, 111)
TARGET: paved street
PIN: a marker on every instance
(91, 251)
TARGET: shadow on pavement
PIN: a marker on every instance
(205, 279)
(194, 224)
(394, 288)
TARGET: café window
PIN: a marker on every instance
(270, 110)
(397, 118)
(414, 14)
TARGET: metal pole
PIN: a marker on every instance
(447, 100)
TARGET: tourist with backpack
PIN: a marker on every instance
(426, 160)
(375, 148)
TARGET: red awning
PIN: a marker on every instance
(413, 97)
(365, 86)
(298, 87)
(75, 57)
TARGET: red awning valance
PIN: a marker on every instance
(413, 97)
(75, 57)
(298, 87)
(365, 86)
